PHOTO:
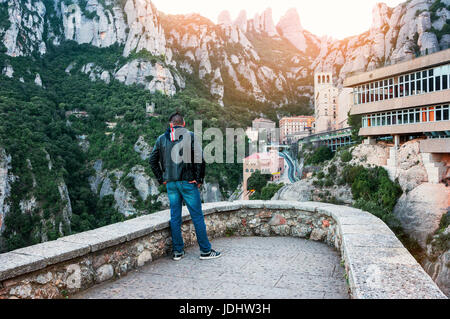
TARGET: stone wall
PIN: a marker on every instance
(377, 264)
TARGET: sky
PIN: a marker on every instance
(336, 18)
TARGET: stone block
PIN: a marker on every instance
(104, 273)
(22, 291)
(144, 257)
(277, 220)
(44, 278)
(13, 264)
(97, 239)
(252, 204)
(285, 205)
(227, 206)
(379, 255)
(209, 208)
(371, 240)
(55, 251)
(341, 211)
(359, 220)
(281, 230)
(301, 231)
(318, 234)
(265, 214)
(392, 281)
(367, 229)
(138, 227)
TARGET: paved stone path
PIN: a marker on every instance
(250, 268)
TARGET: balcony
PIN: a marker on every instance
(426, 99)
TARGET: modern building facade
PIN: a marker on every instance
(295, 128)
(267, 163)
(332, 139)
(408, 100)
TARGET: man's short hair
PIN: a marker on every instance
(176, 119)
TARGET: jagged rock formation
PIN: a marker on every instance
(142, 147)
(396, 34)
(38, 80)
(218, 59)
(194, 45)
(5, 187)
(8, 71)
(420, 210)
(25, 33)
(107, 28)
(264, 23)
(291, 28)
(437, 261)
(155, 77)
(300, 191)
(241, 21)
(224, 19)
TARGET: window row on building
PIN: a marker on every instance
(415, 83)
(408, 116)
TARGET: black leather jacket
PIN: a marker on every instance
(183, 169)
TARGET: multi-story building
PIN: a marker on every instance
(263, 124)
(262, 129)
(331, 104)
(405, 101)
(325, 102)
(295, 128)
(344, 105)
(267, 163)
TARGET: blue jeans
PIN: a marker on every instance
(177, 191)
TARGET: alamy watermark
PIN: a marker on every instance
(223, 147)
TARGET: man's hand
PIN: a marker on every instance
(195, 182)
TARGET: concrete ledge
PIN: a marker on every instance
(377, 264)
(435, 145)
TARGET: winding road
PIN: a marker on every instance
(292, 167)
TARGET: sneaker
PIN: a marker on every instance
(211, 255)
(177, 256)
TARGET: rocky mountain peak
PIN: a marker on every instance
(264, 23)
(290, 19)
(224, 18)
(381, 14)
(291, 28)
(241, 21)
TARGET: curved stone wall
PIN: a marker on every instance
(376, 263)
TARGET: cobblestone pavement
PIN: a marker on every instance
(250, 268)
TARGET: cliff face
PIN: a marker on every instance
(235, 55)
(396, 34)
(219, 55)
(5, 188)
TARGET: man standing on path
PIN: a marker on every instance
(177, 162)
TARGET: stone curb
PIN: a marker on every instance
(377, 264)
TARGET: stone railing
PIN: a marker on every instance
(376, 263)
